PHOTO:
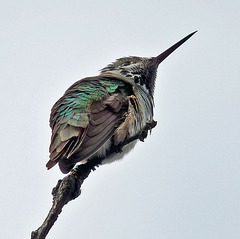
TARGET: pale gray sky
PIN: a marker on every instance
(183, 182)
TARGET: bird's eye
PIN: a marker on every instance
(126, 63)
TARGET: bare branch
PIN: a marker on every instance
(66, 190)
(69, 187)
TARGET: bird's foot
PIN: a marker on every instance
(94, 167)
(144, 133)
(94, 163)
(116, 148)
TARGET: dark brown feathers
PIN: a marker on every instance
(80, 136)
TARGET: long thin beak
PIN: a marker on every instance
(166, 53)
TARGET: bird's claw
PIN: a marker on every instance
(149, 126)
(143, 135)
(116, 148)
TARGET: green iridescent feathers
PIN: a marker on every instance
(79, 97)
(70, 115)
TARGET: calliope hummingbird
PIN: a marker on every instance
(102, 117)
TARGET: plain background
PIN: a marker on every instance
(183, 182)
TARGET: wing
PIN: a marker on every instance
(83, 120)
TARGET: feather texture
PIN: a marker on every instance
(85, 118)
(96, 114)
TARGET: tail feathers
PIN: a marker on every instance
(51, 163)
(65, 167)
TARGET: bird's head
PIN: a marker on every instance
(140, 71)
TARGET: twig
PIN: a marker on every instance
(69, 187)
(66, 190)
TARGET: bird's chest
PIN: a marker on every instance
(141, 110)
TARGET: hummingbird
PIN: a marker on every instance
(102, 117)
